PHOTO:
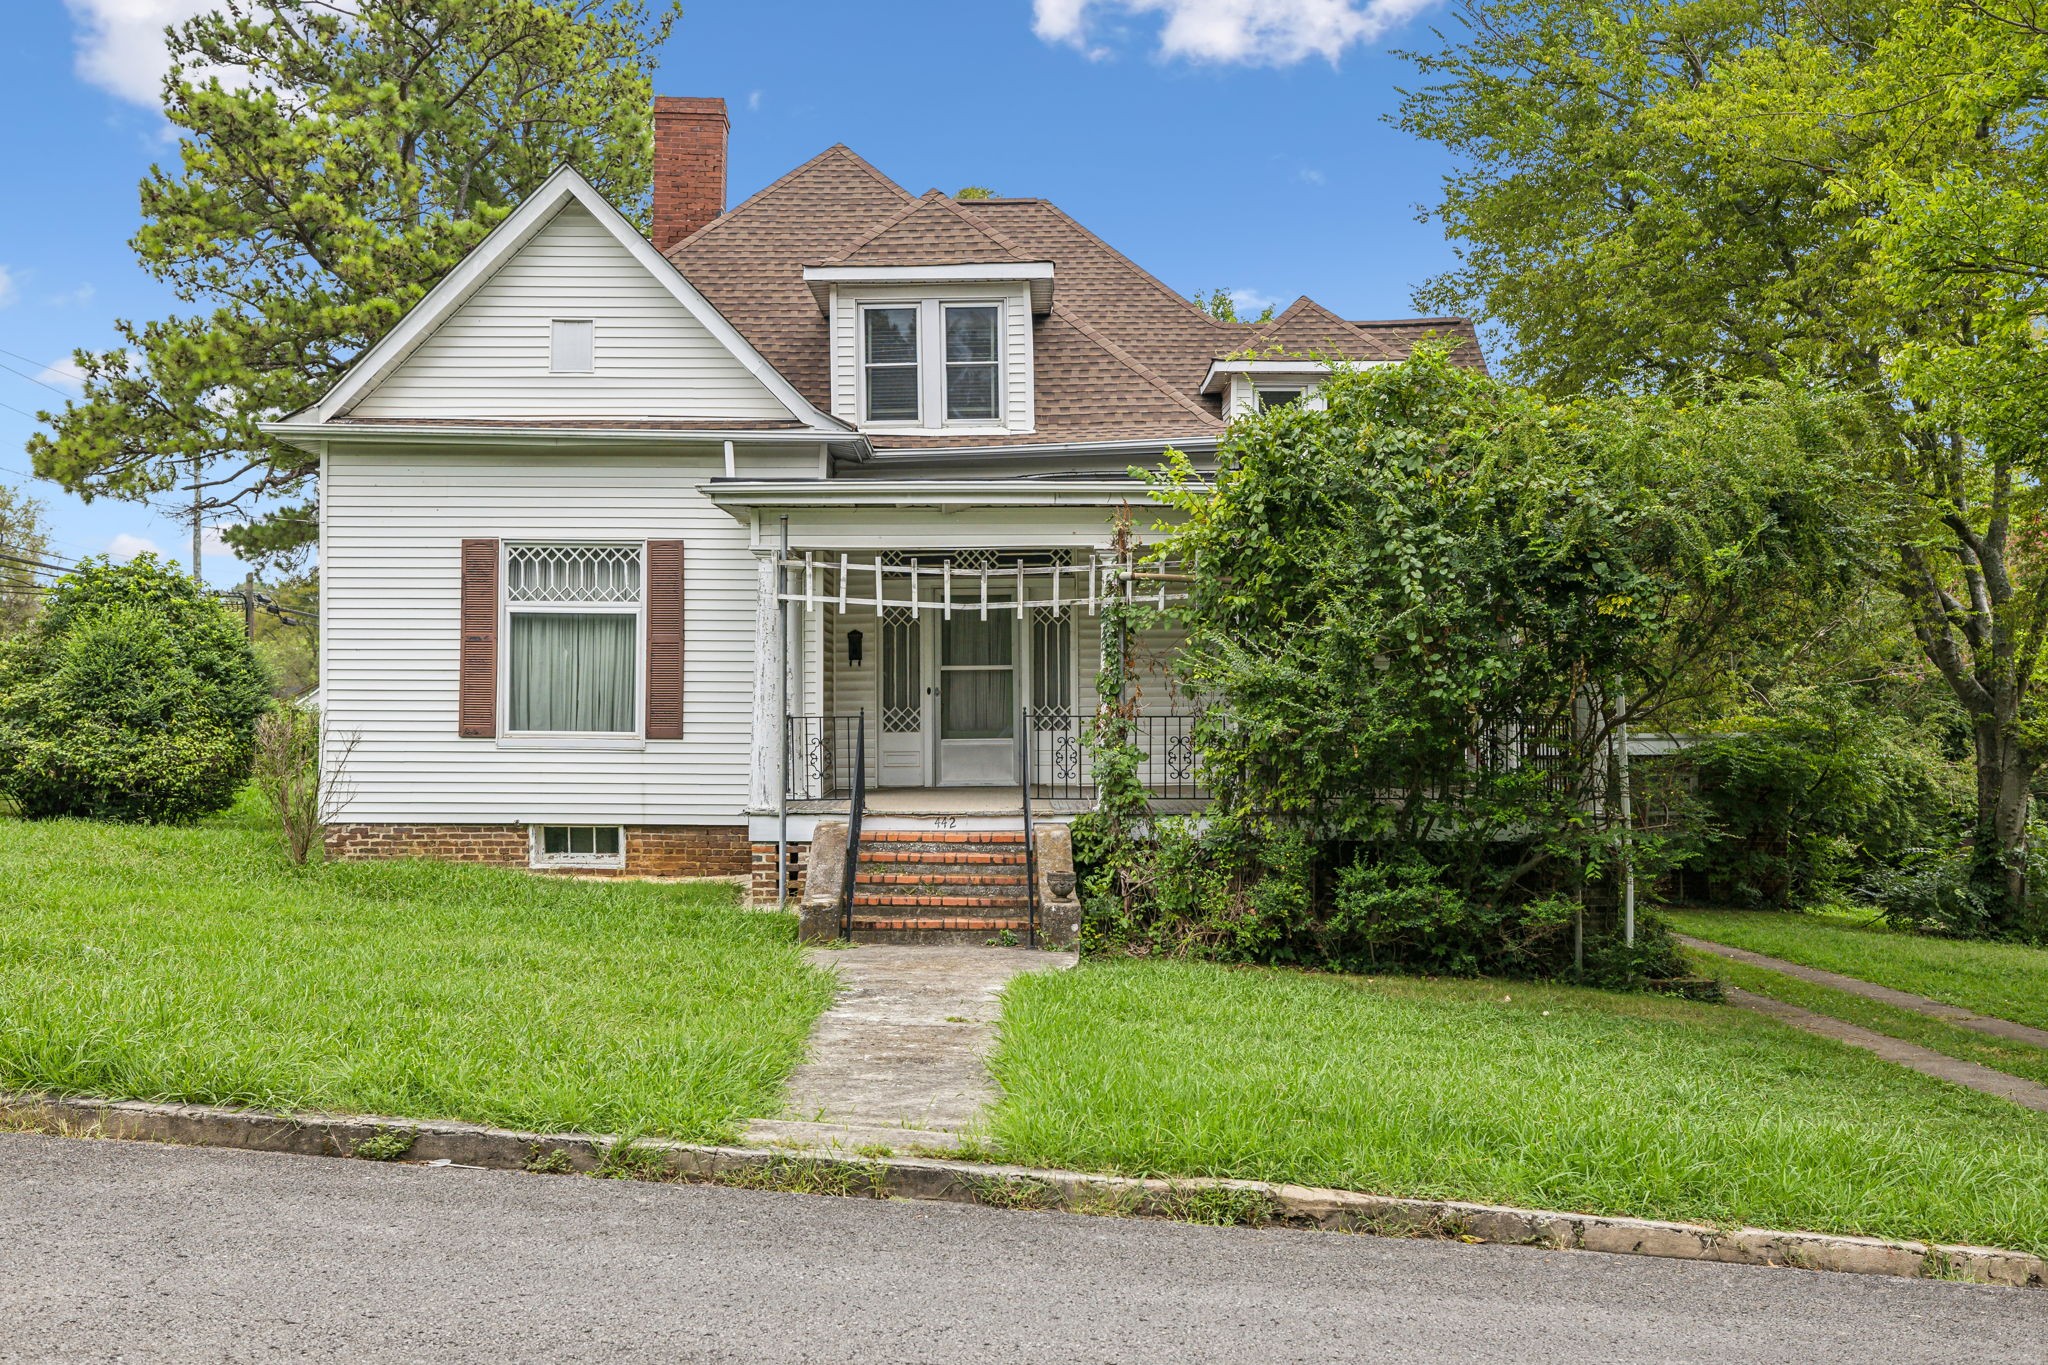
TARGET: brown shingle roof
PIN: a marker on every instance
(1308, 328)
(1402, 334)
(1120, 357)
(749, 262)
(929, 231)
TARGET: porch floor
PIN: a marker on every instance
(980, 801)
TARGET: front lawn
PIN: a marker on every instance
(2004, 980)
(1534, 1095)
(197, 964)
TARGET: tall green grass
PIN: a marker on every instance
(197, 964)
(2004, 980)
(1514, 1093)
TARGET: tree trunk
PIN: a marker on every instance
(2004, 772)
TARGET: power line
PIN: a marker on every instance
(28, 561)
(33, 380)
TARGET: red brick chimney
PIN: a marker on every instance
(689, 165)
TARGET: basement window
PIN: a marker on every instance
(572, 346)
(602, 846)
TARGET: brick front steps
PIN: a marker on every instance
(939, 886)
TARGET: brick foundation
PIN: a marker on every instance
(762, 890)
(651, 850)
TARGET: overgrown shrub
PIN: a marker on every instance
(132, 696)
(287, 772)
(1210, 888)
(1422, 615)
(1938, 891)
(1796, 809)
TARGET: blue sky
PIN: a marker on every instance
(1240, 143)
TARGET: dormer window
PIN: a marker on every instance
(932, 363)
(889, 363)
(923, 353)
(972, 391)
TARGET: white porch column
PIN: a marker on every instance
(765, 791)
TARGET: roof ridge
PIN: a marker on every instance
(1302, 304)
(918, 205)
(1131, 362)
(838, 149)
(1187, 304)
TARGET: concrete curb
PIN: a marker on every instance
(929, 1178)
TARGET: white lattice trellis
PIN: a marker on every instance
(573, 573)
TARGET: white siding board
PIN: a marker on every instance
(391, 580)
(490, 357)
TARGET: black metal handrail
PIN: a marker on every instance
(1030, 840)
(856, 808)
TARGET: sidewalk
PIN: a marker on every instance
(900, 1060)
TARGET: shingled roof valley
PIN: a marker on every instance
(1120, 356)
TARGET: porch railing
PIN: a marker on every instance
(1063, 768)
(819, 756)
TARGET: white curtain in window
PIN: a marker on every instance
(573, 672)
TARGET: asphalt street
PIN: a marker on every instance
(129, 1252)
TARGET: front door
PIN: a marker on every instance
(977, 698)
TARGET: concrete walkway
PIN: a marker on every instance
(900, 1060)
(1883, 995)
(2026, 1094)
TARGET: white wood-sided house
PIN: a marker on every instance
(628, 545)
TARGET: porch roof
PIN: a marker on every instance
(738, 495)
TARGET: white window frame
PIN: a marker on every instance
(917, 366)
(554, 367)
(507, 607)
(945, 366)
(538, 857)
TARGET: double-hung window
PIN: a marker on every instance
(971, 365)
(573, 619)
(889, 363)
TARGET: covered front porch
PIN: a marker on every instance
(952, 679)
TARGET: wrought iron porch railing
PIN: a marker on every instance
(819, 756)
(1063, 768)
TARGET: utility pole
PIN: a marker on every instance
(249, 604)
(198, 572)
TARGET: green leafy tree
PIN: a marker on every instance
(360, 152)
(1221, 305)
(1679, 196)
(24, 537)
(133, 695)
(1421, 616)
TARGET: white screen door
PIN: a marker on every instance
(978, 698)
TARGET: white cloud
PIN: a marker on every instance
(63, 374)
(121, 43)
(753, 101)
(9, 292)
(1309, 175)
(212, 543)
(125, 547)
(73, 298)
(1251, 32)
(1250, 302)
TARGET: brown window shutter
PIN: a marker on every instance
(477, 706)
(664, 639)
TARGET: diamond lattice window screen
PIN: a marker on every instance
(902, 709)
(585, 574)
